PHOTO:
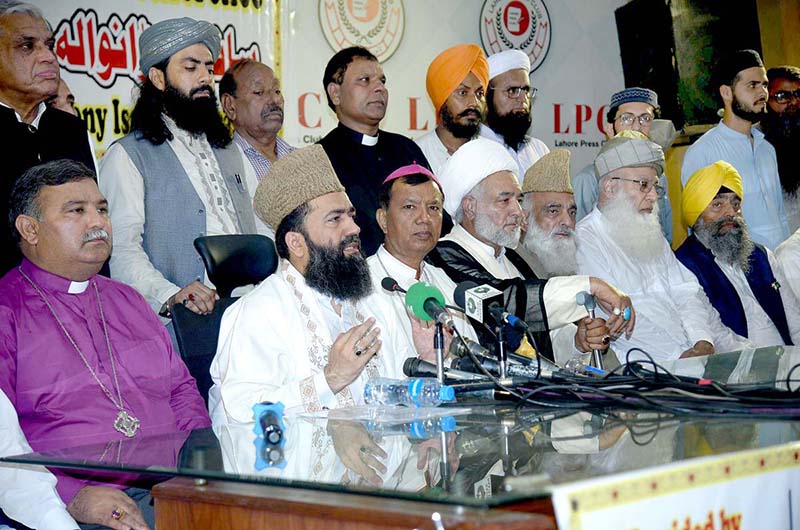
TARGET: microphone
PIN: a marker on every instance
(269, 431)
(391, 285)
(457, 349)
(493, 367)
(480, 300)
(415, 367)
(426, 302)
(588, 301)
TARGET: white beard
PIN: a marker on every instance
(638, 235)
(487, 230)
(556, 254)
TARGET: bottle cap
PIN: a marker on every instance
(448, 423)
(446, 393)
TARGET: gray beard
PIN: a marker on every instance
(638, 235)
(487, 230)
(557, 255)
(733, 247)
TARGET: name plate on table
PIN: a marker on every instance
(749, 490)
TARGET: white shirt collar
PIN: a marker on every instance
(396, 269)
(77, 287)
(39, 111)
(369, 140)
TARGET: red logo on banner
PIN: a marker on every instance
(106, 51)
(374, 24)
(516, 24)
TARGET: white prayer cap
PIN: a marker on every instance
(502, 62)
(469, 165)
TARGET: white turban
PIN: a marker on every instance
(502, 62)
(469, 165)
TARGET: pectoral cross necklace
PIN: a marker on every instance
(125, 423)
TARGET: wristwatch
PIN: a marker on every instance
(165, 311)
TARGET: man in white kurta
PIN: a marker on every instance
(508, 108)
(304, 337)
(481, 194)
(621, 241)
(410, 216)
(788, 256)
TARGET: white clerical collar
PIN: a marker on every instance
(369, 140)
(77, 287)
(39, 111)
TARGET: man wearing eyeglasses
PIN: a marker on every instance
(742, 279)
(508, 108)
(621, 242)
(781, 128)
(742, 83)
(632, 109)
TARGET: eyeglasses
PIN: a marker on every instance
(783, 96)
(627, 119)
(515, 92)
(644, 185)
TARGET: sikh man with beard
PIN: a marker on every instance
(482, 195)
(176, 175)
(741, 278)
(456, 82)
(621, 241)
(781, 128)
(742, 83)
(508, 108)
(304, 337)
(631, 109)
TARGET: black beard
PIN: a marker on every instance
(513, 127)
(748, 115)
(732, 247)
(781, 128)
(197, 116)
(332, 273)
(460, 130)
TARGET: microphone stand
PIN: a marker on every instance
(502, 356)
(597, 358)
(444, 463)
(438, 345)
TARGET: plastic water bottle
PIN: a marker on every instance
(413, 392)
(578, 363)
(414, 430)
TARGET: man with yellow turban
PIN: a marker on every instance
(456, 82)
(741, 278)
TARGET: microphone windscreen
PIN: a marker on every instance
(416, 296)
(459, 295)
(390, 284)
(409, 366)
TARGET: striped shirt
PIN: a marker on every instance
(260, 163)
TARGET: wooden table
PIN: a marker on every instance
(220, 505)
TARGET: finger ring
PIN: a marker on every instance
(359, 352)
(606, 339)
(185, 301)
(617, 311)
(626, 315)
(191, 297)
(117, 514)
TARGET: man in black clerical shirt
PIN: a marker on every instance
(361, 154)
(30, 133)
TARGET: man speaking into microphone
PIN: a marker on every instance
(482, 194)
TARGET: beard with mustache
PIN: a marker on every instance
(332, 273)
(733, 247)
(783, 132)
(638, 234)
(195, 115)
(557, 254)
(460, 130)
(740, 110)
(513, 127)
(497, 235)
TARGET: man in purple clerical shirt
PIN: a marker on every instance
(84, 357)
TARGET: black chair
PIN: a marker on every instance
(233, 261)
(197, 337)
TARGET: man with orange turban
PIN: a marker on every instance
(457, 80)
(741, 278)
